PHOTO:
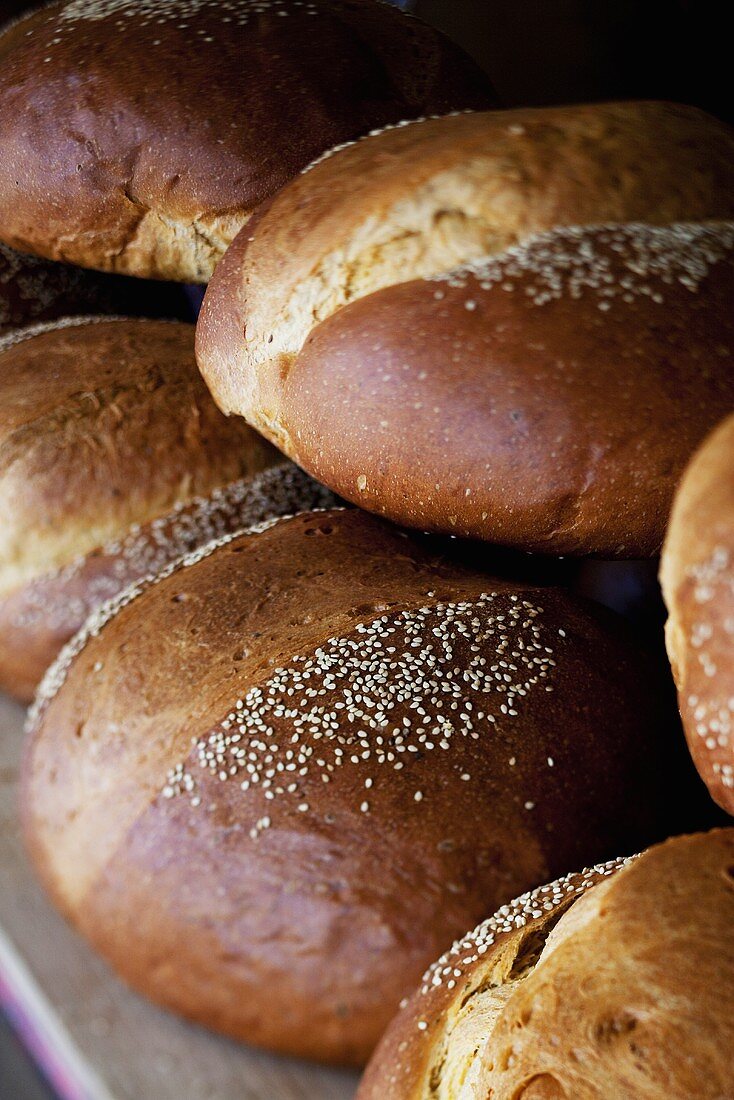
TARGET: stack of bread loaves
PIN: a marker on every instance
(108, 426)
(291, 751)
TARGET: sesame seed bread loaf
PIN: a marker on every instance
(407, 304)
(138, 136)
(273, 782)
(697, 575)
(616, 982)
(104, 423)
(547, 398)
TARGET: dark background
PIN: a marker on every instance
(543, 52)
(564, 51)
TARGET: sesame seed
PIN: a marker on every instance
(143, 552)
(349, 689)
(179, 12)
(466, 952)
(614, 262)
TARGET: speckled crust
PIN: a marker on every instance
(37, 619)
(697, 575)
(104, 423)
(420, 200)
(375, 766)
(139, 136)
(546, 399)
(617, 982)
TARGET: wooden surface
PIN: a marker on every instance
(109, 1043)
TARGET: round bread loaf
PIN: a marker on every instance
(547, 398)
(426, 282)
(616, 982)
(275, 781)
(104, 423)
(697, 575)
(138, 137)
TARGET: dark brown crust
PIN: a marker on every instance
(102, 425)
(553, 424)
(305, 938)
(147, 174)
(697, 574)
(635, 998)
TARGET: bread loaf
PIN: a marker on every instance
(274, 782)
(616, 982)
(514, 326)
(547, 399)
(697, 575)
(138, 138)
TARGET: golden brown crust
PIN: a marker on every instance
(104, 423)
(546, 399)
(145, 173)
(37, 619)
(421, 199)
(624, 990)
(697, 575)
(424, 1052)
(403, 749)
